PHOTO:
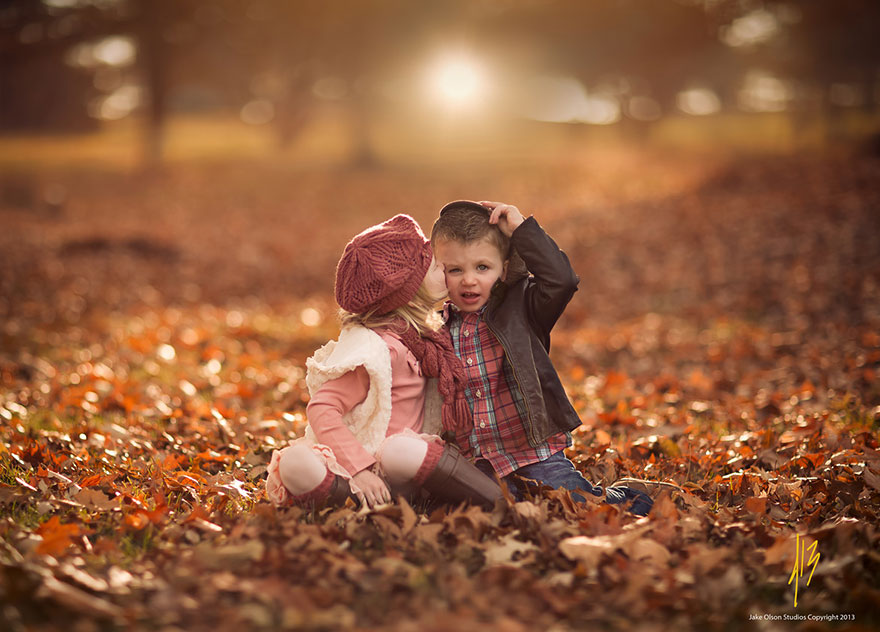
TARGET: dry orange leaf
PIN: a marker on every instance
(56, 536)
(137, 520)
(756, 505)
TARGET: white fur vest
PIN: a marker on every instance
(368, 420)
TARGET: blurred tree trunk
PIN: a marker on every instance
(363, 154)
(154, 60)
(871, 87)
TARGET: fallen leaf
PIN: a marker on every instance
(57, 537)
(871, 479)
(77, 600)
(509, 551)
(230, 556)
(590, 549)
(648, 551)
(95, 499)
(756, 505)
(409, 518)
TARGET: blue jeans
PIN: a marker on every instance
(558, 472)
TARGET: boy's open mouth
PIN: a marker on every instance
(470, 295)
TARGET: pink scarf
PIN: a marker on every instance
(437, 359)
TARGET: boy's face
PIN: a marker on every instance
(471, 270)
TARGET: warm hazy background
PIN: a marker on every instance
(306, 83)
(698, 158)
(178, 178)
(221, 151)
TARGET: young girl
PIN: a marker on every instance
(373, 407)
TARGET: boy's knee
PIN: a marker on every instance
(300, 469)
(401, 457)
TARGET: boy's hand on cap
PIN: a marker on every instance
(506, 216)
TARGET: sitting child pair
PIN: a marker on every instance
(373, 422)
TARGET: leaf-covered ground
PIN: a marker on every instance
(726, 339)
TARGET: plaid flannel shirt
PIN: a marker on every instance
(498, 407)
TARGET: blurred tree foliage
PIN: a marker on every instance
(227, 53)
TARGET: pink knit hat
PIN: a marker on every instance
(383, 267)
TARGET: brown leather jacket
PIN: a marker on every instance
(521, 312)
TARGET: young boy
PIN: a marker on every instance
(500, 319)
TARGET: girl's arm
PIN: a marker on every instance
(325, 410)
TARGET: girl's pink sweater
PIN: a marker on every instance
(336, 397)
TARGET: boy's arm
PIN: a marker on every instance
(555, 282)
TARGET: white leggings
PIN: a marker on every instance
(302, 470)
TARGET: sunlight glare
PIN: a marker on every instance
(457, 80)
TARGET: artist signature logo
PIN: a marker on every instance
(800, 560)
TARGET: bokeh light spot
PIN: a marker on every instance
(698, 101)
(753, 28)
(310, 317)
(119, 104)
(115, 51)
(565, 100)
(258, 112)
(644, 109)
(762, 92)
(166, 352)
(330, 88)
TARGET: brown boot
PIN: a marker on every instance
(339, 492)
(455, 479)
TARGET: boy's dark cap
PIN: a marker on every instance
(467, 204)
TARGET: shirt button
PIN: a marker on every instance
(482, 424)
(470, 361)
(467, 332)
(479, 393)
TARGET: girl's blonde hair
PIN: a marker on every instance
(420, 314)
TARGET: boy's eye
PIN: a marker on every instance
(451, 270)
(482, 267)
